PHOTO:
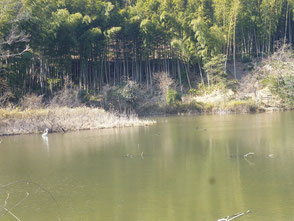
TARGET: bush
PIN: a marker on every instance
(163, 82)
(172, 97)
(68, 97)
(203, 89)
(241, 106)
(84, 96)
(215, 68)
(123, 98)
(277, 73)
(31, 101)
(5, 98)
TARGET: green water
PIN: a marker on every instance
(188, 171)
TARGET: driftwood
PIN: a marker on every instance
(9, 211)
(229, 218)
(248, 154)
(5, 210)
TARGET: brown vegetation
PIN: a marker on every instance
(16, 121)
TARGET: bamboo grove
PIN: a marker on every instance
(92, 43)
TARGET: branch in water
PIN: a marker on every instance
(14, 216)
(247, 154)
(41, 187)
(229, 218)
(17, 204)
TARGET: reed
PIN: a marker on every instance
(17, 121)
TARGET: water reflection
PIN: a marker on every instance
(46, 142)
(175, 172)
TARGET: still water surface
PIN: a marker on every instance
(191, 169)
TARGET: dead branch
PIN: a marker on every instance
(229, 218)
(17, 204)
(14, 216)
(36, 184)
(27, 194)
(247, 154)
(5, 202)
(9, 55)
(16, 36)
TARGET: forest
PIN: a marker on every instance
(45, 44)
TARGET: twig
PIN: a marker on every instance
(247, 154)
(248, 161)
(19, 202)
(229, 218)
(5, 202)
(12, 214)
(9, 210)
(30, 182)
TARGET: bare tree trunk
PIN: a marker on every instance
(287, 13)
(179, 74)
(200, 71)
(187, 74)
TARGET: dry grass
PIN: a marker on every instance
(16, 121)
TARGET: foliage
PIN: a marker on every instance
(84, 96)
(215, 69)
(31, 101)
(203, 89)
(67, 97)
(99, 43)
(277, 73)
(172, 97)
(241, 106)
(163, 81)
(123, 98)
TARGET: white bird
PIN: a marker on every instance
(45, 133)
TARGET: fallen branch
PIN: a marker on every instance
(229, 218)
(8, 211)
(5, 202)
(30, 182)
(17, 204)
(247, 154)
(27, 194)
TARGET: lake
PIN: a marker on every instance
(181, 169)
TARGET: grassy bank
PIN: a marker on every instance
(16, 121)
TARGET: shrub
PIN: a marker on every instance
(84, 96)
(203, 89)
(163, 82)
(5, 98)
(277, 73)
(123, 98)
(241, 106)
(215, 69)
(31, 101)
(172, 97)
(68, 97)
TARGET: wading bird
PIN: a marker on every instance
(45, 133)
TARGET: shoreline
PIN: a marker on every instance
(61, 120)
(35, 121)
